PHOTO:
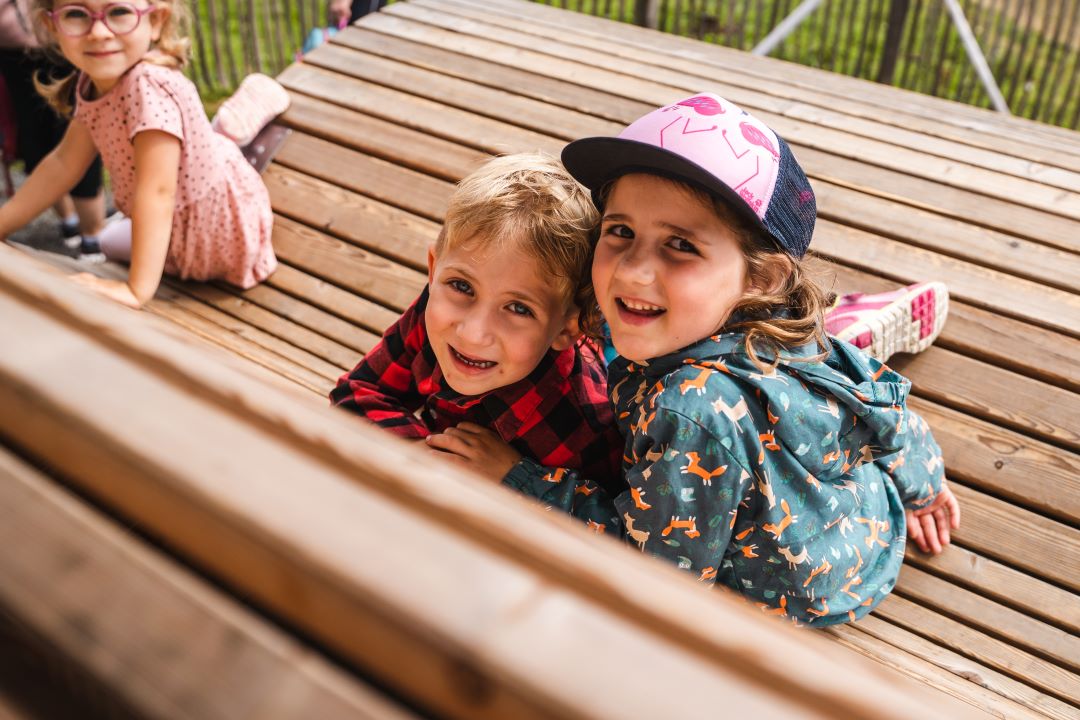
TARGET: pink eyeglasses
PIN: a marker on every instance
(77, 20)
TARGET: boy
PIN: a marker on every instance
(493, 342)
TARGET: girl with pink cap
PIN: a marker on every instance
(761, 454)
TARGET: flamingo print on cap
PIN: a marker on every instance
(720, 137)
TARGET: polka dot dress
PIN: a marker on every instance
(222, 222)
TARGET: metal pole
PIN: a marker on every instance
(974, 53)
(786, 27)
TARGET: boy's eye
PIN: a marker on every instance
(520, 309)
(682, 245)
(460, 286)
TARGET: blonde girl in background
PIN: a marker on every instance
(195, 208)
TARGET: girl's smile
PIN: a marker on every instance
(667, 271)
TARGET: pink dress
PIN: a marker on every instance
(222, 221)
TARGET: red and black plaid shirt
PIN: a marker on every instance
(559, 415)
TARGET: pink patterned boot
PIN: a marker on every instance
(257, 101)
(904, 320)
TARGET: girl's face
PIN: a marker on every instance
(667, 269)
(105, 53)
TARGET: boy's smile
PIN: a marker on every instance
(493, 314)
(667, 269)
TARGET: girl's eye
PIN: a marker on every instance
(682, 245)
(620, 231)
(520, 309)
(460, 286)
(120, 12)
(74, 14)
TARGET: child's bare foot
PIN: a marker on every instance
(257, 101)
(904, 320)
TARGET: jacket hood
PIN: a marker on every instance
(839, 411)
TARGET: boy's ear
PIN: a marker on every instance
(430, 262)
(569, 333)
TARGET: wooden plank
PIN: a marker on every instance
(760, 94)
(1024, 471)
(562, 93)
(451, 92)
(371, 225)
(357, 311)
(386, 182)
(992, 527)
(999, 396)
(992, 618)
(990, 289)
(170, 645)
(1003, 657)
(795, 131)
(382, 139)
(283, 328)
(1024, 221)
(1007, 586)
(877, 636)
(345, 265)
(981, 334)
(926, 672)
(509, 606)
(949, 236)
(300, 312)
(1054, 145)
(413, 112)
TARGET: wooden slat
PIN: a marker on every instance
(764, 95)
(1056, 145)
(509, 607)
(366, 274)
(866, 149)
(169, 645)
(356, 310)
(1013, 627)
(993, 527)
(1023, 221)
(878, 636)
(1003, 657)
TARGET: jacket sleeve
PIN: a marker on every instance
(917, 470)
(684, 494)
(382, 388)
(564, 489)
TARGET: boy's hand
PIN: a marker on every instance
(117, 290)
(928, 527)
(478, 449)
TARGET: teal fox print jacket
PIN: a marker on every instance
(787, 486)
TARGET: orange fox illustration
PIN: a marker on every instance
(748, 551)
(778, 529)
(875, 527)
(708, 573)
(694, 468)
(596, 527)
(584, 489)
(823, 569)
(697, 384)
(782, 610)
(689, 525)
(637, 494)
(822, 612)
(556, 476)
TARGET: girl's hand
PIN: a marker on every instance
(928, 527)
(113, 289)
(478, 449)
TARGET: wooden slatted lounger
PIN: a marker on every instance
(909, 187)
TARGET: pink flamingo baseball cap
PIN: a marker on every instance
(713, 144)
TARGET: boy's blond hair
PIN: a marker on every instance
(528, 199)
(170, 50)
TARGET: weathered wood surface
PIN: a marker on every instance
(390, 114)
(458, 594)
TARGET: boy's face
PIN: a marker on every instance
(492, 314)
(667, 269)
